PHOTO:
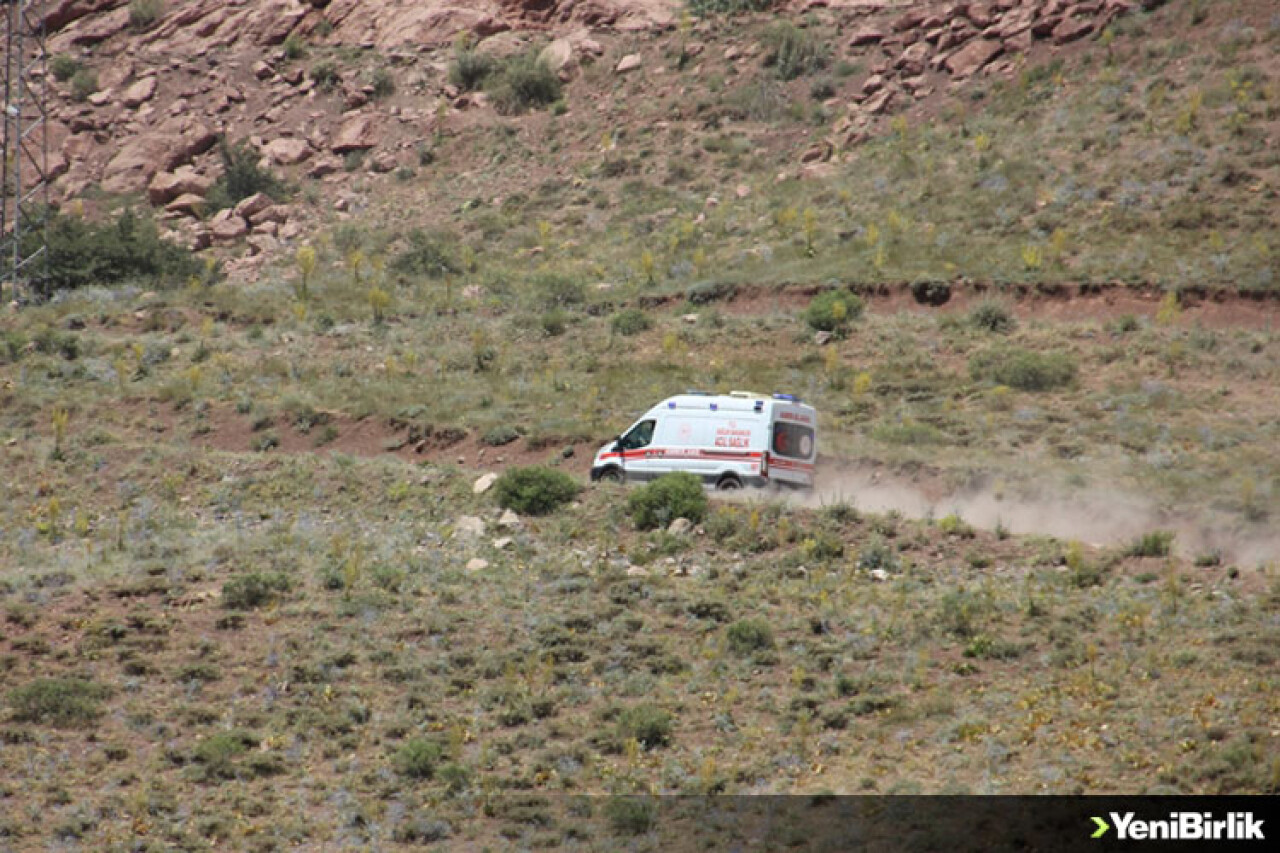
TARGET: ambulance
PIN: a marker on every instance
(729, 440)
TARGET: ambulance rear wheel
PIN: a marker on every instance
(611, 475)
(728, 483)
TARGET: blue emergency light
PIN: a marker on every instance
(790, 398)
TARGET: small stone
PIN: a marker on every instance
(628, 63)
(509, 519)
(679, 527)
(468, 525)
(502, 543)
(879, 575)
(476, 564)
(822, 338)
(484, 483)
(637, 572)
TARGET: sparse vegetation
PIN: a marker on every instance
(242, 176)
(145, 14)
(1023, 369)
(245, 517)
(522, 83)
(84, 82)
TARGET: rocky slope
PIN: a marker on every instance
(168, 88)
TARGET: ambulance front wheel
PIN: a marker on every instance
(728, 483)
(611, 475)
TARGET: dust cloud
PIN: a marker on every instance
(1095, 516)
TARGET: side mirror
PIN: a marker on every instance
(617, 444)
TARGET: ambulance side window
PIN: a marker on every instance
(639, 436)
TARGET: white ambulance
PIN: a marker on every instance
(729, 440)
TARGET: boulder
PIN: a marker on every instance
(680, 526)
(558, 56)
(287, 152)
(167, 186)
(188, 204)
(1072, 29)
(358, 133)
(277, 213)
(865, 36)
(630, 62)
(326, 165)
(970, 58)
(137, 161)
(252, 205)
(139, 93)
(229, 229)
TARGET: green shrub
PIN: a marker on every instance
(470, 68)
(706, 292)
(523, 83)
(83, 253)
(992, 316)
(83, 84)
(426, 255)
(704, 8)
(247, 592)
(833, 311)
(554, 323)
(630, 321)
(793, 52)
(648, 724)
(325, 75)
(536, 490)
(1023, 369)
(929, 292)
(217, 753)
(1157, 543)
(63, 67)
(63, 702)
(671, 496)
(746, 637)
(500, 435)
(630, 815)
(554, 290)
(294, 47)
(143, 14)
(242, 177)
(384, 84)
(418, 758)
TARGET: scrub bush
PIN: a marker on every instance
(748, 636)
(1023, 369)
(630, 321)
(63, 702)
(671, 496)
(833, 311)
(536, 490)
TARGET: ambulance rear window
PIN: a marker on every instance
(792, 440)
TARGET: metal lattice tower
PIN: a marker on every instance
(24, 211)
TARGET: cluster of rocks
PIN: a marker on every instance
(932, 44)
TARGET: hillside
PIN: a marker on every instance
(259, 590)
